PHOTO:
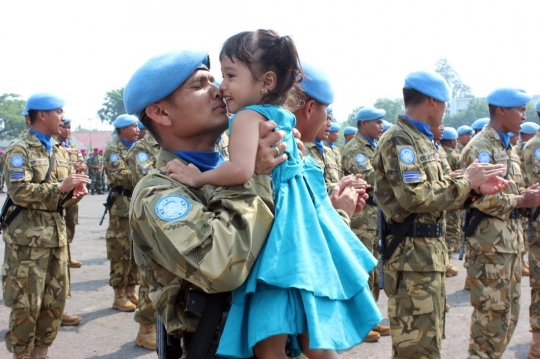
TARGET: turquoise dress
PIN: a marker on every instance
(312, 274)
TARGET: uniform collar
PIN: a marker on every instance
(422, 127)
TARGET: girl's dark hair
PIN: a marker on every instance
(263, 51)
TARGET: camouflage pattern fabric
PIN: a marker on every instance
(337, 155)
(119, 247)
(93, 173)
(357, 156)
(327, 162)
(223, 145)
(409, 179)
(453, 218)
(141, 159)
(35, 270)
(2, 172)
(530, 164)
(494, 252)
(173, 228)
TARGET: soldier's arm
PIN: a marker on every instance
(410, 184)
(213, 247)
(117, 172)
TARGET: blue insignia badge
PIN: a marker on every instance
(17, 176)
(17, 161)
(360, 158)
(484, 157)
(172, 207)
(142, 156)
(537, 153)
(113, 157)
(407, 155)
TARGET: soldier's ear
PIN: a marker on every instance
(158, 114)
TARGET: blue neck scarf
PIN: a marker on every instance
(127, 143)
(331, 145)
(420, 126)
(436, 145)
(505, 138)
(219, 139)
(371, 141)
(204, 161)
(45, 140)
(319, 145)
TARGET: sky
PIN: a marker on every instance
(81, 49)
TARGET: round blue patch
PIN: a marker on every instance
(360, 158)
(172, 207)
(142, 156)
(17, 161)
(537, 153)
(113, 157)
(407, 155)
(484, 157)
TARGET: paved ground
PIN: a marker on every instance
(107, 333)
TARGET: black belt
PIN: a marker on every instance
(515, 214)
(371, 201)
(422, 230)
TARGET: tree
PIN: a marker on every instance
(457, 87)
(113, 106)
(393, 108)
(11, 118)
(477, 108)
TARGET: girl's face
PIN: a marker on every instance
(239, 88)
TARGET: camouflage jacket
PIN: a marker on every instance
(204, 238)
(223, 145)
(530, 167)
(41, 222)
(337, 155)
(118, 175)
(453, 157)
(409, 179)
(75, 154)
(142, 157)
(95, 160)
(327, 162)
(357, 156)
(498, 233)
(2, 157)
(444, 160)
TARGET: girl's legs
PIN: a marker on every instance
(315, 353)
(271, 348)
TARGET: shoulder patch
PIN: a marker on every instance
(113, 157)
(142, 156)
(172, 208)
(17, 161)
(537, 153)
(360, 158)
(484, 157)
(407, 155)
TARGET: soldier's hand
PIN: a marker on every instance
(529, 198)
(345, 198)
(478, 173)
(73, 180)
(270, 148)
(79, 191)
(494, 185)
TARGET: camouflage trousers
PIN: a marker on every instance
(495, 295)
(96, 184)
(534, 278)
(1, 180)
(35, 286)
(145, 313)
(120, 253)
(370, 238)
(416, 312)
(72, 219)
(453, 231)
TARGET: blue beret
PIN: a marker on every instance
(125, 121)
(529, 128)
(25, 110)
(480, 123)
(369, 114)
(160, 76)
(537, 107)
(349, 130)
(67, 122)
(429, 83)
(449, 133)
(44, 101)
(511, 134)
(329, 110)
(334, 127)
(316, 85)
(508, 97)
(141, 125)
(386, 125)
(464, 130)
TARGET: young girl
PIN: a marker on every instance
(308, 287)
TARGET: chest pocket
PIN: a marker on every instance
(62, 169)
(39, 167)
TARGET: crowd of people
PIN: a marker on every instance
(233, 197)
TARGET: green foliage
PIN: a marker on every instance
(11, 118)
(393, 108)
(477, 108)
(113, 106)
(457, 87)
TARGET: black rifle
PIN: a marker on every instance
(464, 227)
(531, 218)
(382, 228)
(109, 201)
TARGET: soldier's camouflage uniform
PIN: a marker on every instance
(453, 218)
(93, 173)
(141, 159)
(328, 163)
(494, 252)
(357, 156)
(337, 156)
(223, 145)
(530, 164)
(119, 247)
(414, 276)
(206, 239)
(2, 157)
(35, 270)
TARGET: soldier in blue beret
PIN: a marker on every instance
(386, 125)
(465, 134)
(348, 133)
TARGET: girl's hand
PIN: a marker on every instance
(187, 175)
